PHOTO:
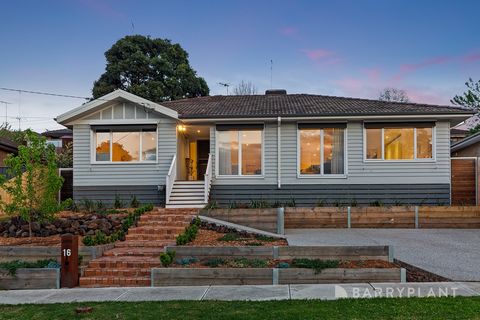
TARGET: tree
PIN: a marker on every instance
(64, 158)
(16, 136)
(35, 184)
(471, 97)
(245, 88)
(154, 69)
(393, 95)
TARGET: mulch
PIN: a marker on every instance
(51, 241)
(210, 238)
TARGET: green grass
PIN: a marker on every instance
(382, 308)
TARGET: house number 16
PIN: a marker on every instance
(67, 252)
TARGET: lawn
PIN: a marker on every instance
(378, 308)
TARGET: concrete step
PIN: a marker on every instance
(198, 199)
(187, 194)
(183, 182)
(178, 206)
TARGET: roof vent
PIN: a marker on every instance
(276, 91)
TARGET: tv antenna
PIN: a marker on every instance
(271, 73)
(6, 110)
(225, 84)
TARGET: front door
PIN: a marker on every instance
(203, 150)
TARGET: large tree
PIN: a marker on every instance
(393, 95)
(154, 69)
(471, 97)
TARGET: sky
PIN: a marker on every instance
(343, 48)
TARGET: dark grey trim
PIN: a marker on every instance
(124, 127)
(306, 125)
(106, 194)
(241, 126)
(307, 195)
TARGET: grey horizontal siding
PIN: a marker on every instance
(335, 194)
(106, 194)
(88, 174)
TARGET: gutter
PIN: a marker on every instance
(279, 152)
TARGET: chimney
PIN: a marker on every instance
(276, 92)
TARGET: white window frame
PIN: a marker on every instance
(239, 175)
(93, 144)
(322, 175)
(415, 159)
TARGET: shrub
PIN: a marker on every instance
(134, 203)
(247, 263)
(231, 236)
(190, 233)
(118, 203)
(88, 205)
(320, 203)
(166, 258)
(262, 237)
(283, 265)
(291, 203)
(258, 204)
(232, 205)
(69, 204)
(376, 203)
(12, 266)
(214, 262)
(315, 264)
(186, 261)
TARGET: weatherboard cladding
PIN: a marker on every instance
(292, 105)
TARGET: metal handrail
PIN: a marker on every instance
(208, 178)
(170, 179)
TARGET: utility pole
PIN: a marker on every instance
(6, 110)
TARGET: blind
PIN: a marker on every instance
(124, 128)
(321, 125)
(245, 126)
(379, 125)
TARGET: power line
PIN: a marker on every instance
(45, 93)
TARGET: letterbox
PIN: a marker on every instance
(69, 254)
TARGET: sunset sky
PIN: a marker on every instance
(346, 48)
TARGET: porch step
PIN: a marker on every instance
(187, 194)
(180, 206)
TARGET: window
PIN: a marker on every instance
(399, 142)
(322, 150)
(239, 152)
(125, 145)
(57, 143)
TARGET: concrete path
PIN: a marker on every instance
(247, 292)
(451, 253)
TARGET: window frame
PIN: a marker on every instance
(415, 159)
(93, 143)
(322, 175)
(239, 175)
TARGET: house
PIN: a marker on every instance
(59, 138)
(301, 148)
(457, 135)
(468, 147)
(7, 147)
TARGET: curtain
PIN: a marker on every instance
(338, 148)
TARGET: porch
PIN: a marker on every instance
(190, 173)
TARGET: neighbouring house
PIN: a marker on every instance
(297, 148)
(59, 138)
(7, 147)
(468, 147)
(457, 135)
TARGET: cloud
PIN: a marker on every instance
(288, 31)
(102, 7)
(317, 54)
(372, 73)
(414, 67)
(472, 57)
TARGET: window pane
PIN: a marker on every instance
(333, 151)
(374, 143)
(424, 143)
(251, 152)
(149, 145)
(228, 152)
(310, 151)
(398, 144)
(125, 146)
(102, 149)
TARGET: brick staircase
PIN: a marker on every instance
(128, 263)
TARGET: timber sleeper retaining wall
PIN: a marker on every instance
(259, 276)
(30, 278)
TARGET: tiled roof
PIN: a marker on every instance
(57, 133)
(297, 105)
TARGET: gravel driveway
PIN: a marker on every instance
(451, 253)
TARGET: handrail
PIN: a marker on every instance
(170, 179)
(208, 178)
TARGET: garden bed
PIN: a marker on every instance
(214, 238)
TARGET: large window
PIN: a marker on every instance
(322, 150)
(399, 142)
(125, 145)
(239, 152)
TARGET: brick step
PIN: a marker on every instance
(151, 237)
(154, 223)
(130, 272)
(124, 262)
(92, 282)
(134, 251)
(169, 211)
(167, 217)
(145, 243)
(159, 230)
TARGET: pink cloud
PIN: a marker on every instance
(414, 67)
(473, 57)
(351, 86)
(317, 54)
(288, 31)
(372, 73)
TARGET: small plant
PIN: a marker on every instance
(291, 203)
(338, 204)
(376, 203)
(100, 207)
(134, 203)
(211, 205)
(315, 264)
(231, 236)
(283, 265)
(262, 237)
(88, 205)
(118, 203)
(190, 233)
(277, 204)
(353, 203)
(247, 263)
(186, 261)
(214, 262)
(320, 203)
(232, 205)
(69, 204)
(397, 203)
(166, 258)
(258, 204)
